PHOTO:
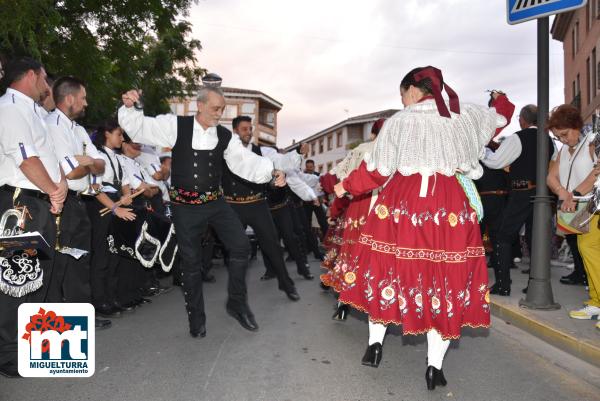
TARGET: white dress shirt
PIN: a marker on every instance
(162, 131)
(150, 162)
(108, 176)
(23, 135)
(68, 138)
(508, 151)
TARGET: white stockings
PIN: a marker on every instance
(436, 349)
(376, 332)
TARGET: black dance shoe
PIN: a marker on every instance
(267, 276)
(434, 377)
(200, 331)
(103, 324)
(341, 313)
(308, 276)
(373, 355)
(293, 295)
(245, 319)
(572, 279)
(105, 310)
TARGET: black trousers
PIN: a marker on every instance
(579, 270)
(190, 225)
(44, 222)
(303, 230)
(518, 211)
(104, 278)
(493, 206)
(309, 209)
(71, 278)
(284, 221)
(258, 216)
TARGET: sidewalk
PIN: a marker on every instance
(577, 337)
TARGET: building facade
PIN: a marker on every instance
(260, 107)
(328, 147)
(579, 31)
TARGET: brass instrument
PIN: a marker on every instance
(90, 190)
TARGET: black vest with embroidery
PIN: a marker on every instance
(238, 189)
(197, 170)
(492, 180)
(524, 167)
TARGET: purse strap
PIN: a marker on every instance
(583, 141)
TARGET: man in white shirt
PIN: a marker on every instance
(78, 158)
(31, 177)
(200, 146)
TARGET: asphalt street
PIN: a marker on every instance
(301, 354)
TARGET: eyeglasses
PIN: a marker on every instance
(561, 135)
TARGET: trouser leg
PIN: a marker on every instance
(285, 224)
(579, 270)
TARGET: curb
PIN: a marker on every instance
(520, 318)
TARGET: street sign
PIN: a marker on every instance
(518, 11)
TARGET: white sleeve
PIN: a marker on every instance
(63, 148)
(16, 137)
(299, 187)
(287, 161)
(247, 164)
(158, 131)
(507, 152)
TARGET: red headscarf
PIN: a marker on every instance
(437, 84)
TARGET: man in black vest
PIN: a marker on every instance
(201, 147)
(518, 151)
(249, 202)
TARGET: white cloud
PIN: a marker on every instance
(321, 57)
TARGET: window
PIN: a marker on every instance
(575, 39)
(339, 139)
(313, 146)
(320, 146)
(230, 112)
(594, 74)
(589, 15)
(597, 9)
(588, 82)
(329, 141)
(267, 117)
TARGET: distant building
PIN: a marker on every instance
(330, 146)
(579, 31)
(260, 107)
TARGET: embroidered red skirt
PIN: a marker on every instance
(420, 261)
(353, 223)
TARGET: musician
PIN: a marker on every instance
(316, 206)
(30, 176)
(519, 151)
(249, 201)
(200, 148)
(70, 139)
(114, 188)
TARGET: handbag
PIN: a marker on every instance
(577, 222)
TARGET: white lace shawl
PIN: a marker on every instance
(352, 160)
(418, 140)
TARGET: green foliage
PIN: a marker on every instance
(113, 45)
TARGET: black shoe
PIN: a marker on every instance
(572, 279)
(144, 301)
(266, 277)
(103, 324)
(373, 355)
(308, 276)
(245, 319)
(10, 370)
(107, 311)
(434, 377)
(293, 295)
(209, 278)
(128, 307)
(341, 313)
(526, 271)
(200, 331)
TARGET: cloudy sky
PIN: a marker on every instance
(332, 59)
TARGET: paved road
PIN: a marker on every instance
(301, 354)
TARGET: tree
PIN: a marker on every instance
(113, 45)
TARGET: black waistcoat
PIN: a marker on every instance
(197, 170)
(492, 180)
(237, 187)
(524, 167)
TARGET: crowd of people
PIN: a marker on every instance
(137, 198)
(143, 197)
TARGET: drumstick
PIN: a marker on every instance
(107, 210)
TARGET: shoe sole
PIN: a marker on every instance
(587, 317)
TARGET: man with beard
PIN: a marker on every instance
(78, 158)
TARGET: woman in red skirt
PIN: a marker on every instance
(421, 262)
(352, 220)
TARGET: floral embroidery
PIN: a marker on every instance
(388, 293)
(435, 303)
(180, 195)
(452, 219)
(401, 303)
(350, 277)
(382, 211)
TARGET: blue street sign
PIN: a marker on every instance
(518, 11)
